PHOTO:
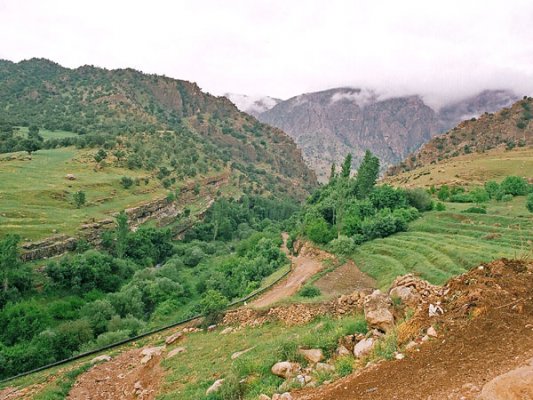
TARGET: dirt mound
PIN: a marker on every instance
(124, 377)
(486, 330)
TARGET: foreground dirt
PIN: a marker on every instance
(124, 377)
(344, 280)
(486, 331)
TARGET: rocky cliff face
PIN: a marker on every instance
(329, 124)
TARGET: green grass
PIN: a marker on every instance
(46, 134)
(36, 198)
(208, 356)
(443, 244)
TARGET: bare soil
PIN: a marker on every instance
(124, 377)
(486, 330)
(344, 280)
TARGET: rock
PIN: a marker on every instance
(514, 385)
(101, 358)
(227, 330)
(342, 351)
(174, 338)
(363, 348)
(70, 177)
(425, 339)
(312, 355)
(434, 310)
(240, 353)
(263, 397)
(214, 387)
(285, 369)
(377, 311)
(149, 352)
(411, 345)
(323, 367)
(211, 328)
(285, 396)
(431, 332)
(407, 295)
(176, 351)
(399, 356)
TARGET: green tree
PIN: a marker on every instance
(515, 185)
(213, 305)
(9, 258)
(444, 193)
(119, 154)
(126, 182)
(367, 175)
(332, 173)
(79, 199)
(346, 166)
(100, 156)
(122, 234)
(31, 145)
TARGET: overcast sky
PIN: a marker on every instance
(441, 49)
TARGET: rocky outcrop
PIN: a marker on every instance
(378, 313)
(48, 247)
(514, 385)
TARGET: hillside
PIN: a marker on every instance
(165, 137)
(329, 124)
(510, 128)
(125, 106)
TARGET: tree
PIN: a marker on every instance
(100, 156)
(126, 182)
(9, 258)
(332, 173)
(515, 185)
(79, 198)
(31, 145)
(122, 234)
(346, 166)
(119, 154)
(212, 305)
(367, 175)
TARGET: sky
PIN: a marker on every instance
(443, 50)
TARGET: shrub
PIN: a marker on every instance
(344, 366)
(461, 198)
(387, 197)
(126, 182)
(212, 306)
(507, 197)
(440, 206)
(479, 195)
(444, 193)
(475, 210)
(318, 230)
(492, 188)
(343, 245)
(420, 199)
(529, 202)
(514, 185)
(309, 291)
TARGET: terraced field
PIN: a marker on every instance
(443, 244)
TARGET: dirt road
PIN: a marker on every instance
(303, 267)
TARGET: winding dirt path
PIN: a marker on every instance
(303, 267)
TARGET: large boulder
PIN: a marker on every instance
(514, 385)
(285, 369)
(412, 290)
(149, 352)
(312, 355)
(363, 347)
(174, 338)
(377, 307)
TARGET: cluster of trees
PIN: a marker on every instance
(350, 210)
(505, 191)
(135, 281)
(10, 141)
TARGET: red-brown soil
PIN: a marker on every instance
(486, 330)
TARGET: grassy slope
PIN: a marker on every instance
(36, 198)
(443, 244)
(470, 169)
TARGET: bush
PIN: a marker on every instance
(479, 195)
(529, 202)
(475, 210)
(492, 188)
(514, 185)
(420, 199)
(461, 198)
(343, 245)
(309, 291)
(387, 197)
(440, 206)
(212, 306)
(344, 366)
(507, 197)
(444, 193)
(318, 230)
(126, 182)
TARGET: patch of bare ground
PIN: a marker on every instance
(485, 331)
(344, 280)
(124, 377)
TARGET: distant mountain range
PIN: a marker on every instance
(328, 124)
